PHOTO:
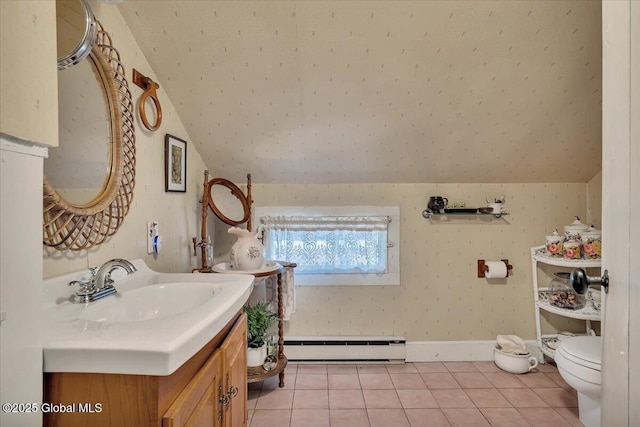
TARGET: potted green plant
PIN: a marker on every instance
(259, 320)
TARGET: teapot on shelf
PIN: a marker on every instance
(437, 203)
(496, 204)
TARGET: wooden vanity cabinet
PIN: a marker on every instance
(199, 404)
(234, 357)
(194, 395)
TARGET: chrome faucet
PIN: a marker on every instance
(103, 276)
(100, 284)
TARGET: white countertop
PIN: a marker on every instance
(144, 347)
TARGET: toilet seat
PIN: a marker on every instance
(584, 351)
(581, 357)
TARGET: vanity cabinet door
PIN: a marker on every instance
(198, 405)
(234, 350)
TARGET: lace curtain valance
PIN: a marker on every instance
(364, 223)
(328, 244)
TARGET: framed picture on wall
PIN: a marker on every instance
(175, 164)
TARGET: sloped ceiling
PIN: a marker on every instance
(382, 91)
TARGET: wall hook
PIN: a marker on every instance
(149, 87)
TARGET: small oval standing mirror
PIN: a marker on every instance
(228, 202)
(76, 31)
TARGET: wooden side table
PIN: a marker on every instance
(258, 373)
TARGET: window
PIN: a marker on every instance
(328, 244)
(334, 245)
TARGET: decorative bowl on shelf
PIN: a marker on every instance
(228, 267)
(551, 342)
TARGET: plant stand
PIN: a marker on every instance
(258, 373)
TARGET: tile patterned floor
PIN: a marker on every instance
(429, 394)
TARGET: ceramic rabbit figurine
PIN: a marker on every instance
(247, 253)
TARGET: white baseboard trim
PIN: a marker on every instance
(455, 351)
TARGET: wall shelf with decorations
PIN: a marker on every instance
(547, 343)
(462, 212)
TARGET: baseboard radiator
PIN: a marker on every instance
(345, 349)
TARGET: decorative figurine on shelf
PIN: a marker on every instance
(247, 253)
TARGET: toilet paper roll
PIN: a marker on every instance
(496, 270)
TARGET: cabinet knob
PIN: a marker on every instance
(233, 391)
(225, 399)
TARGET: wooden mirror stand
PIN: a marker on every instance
(208, 202)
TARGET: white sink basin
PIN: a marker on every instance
(154, 324)
(151, 302)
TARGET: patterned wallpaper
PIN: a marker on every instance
(440, 297)
(594, 200)
(29, 102)
(382, 91)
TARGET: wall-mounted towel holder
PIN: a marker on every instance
(483, 268)
(149, 87)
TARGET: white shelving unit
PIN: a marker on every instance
(540, 295)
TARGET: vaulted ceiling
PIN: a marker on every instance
(382, 91)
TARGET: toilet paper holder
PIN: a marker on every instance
(483, 268)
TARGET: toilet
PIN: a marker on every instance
(579, 361)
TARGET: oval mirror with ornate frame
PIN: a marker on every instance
(78, 226)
